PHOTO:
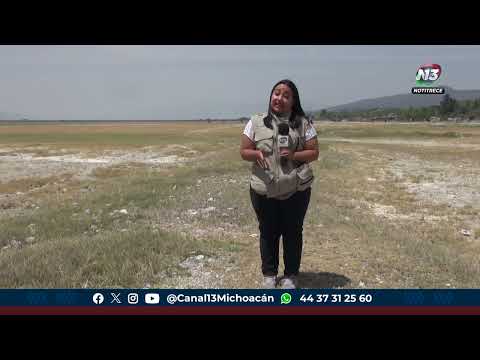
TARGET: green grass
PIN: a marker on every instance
(112, 259)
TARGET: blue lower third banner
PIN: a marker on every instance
(238, 297)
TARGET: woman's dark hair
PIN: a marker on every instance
(294, 121)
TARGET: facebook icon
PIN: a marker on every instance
(97, 298)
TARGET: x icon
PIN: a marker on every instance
(116, 298)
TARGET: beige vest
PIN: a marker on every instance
(282, 179)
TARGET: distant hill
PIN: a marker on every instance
(10, 116)
(404, 101)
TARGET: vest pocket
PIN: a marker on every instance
(287, 183)
(264, 140)
(305, 177)
(265, 175)
(261, 179)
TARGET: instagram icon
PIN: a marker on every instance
(132, 298)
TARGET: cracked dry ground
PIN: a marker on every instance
(382, 215)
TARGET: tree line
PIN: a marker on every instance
(449, 107)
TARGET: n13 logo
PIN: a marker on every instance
(429, 73)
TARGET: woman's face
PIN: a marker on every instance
(282, 99)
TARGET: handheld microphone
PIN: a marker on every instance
(283, 130)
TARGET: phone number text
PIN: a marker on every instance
(336, 298)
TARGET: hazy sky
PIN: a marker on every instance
(188, 82)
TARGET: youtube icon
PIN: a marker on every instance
(152, 298)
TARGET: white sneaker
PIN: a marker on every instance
(288, 282)
(269, 282)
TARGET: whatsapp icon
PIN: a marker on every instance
(286, 298)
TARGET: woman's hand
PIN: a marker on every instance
(287, 153)
(261, 160)
(249, 152)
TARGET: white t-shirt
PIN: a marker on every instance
(309, 134)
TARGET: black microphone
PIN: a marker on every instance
(283, 130)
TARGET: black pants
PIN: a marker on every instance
(285, 218)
